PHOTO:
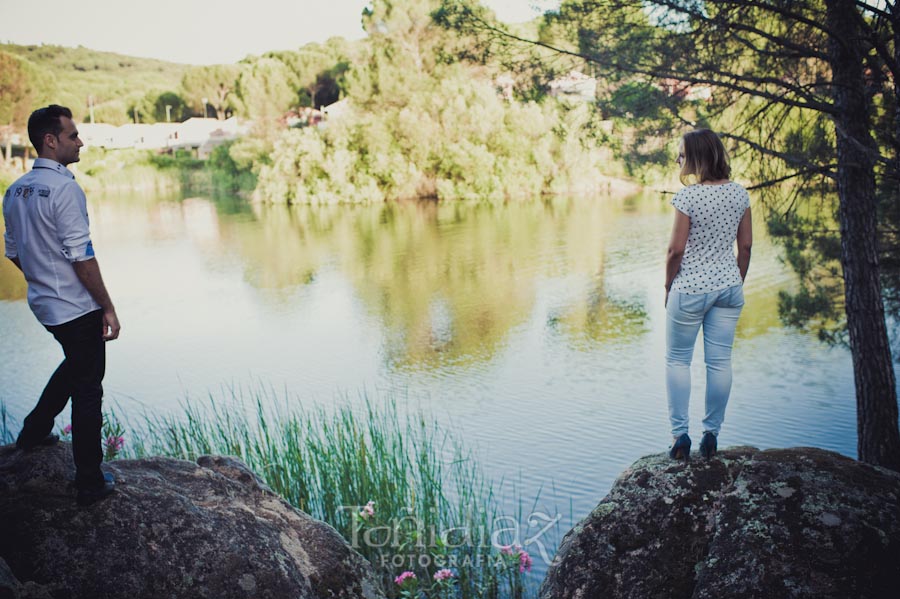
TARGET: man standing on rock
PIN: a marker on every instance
(48, 238)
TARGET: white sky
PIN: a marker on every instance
(200, 32)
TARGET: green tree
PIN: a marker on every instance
(114, 112)
(160, 107)
(263, 90)
(170, 107)
(23, 86)
(16, 90)
(317, 71)
(16, 94)
(826, 66)
(418, 123)
(216, 83)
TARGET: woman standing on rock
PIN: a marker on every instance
(704, 283)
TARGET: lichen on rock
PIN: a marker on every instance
(796, 523)
(173, 529)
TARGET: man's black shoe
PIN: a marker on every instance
(95, 494)
(50, 439)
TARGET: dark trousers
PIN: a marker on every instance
(79, 376)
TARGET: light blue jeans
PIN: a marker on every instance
(718, 313)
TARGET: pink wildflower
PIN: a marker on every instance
(404, 576)
(367, 511)
(114, 443)
(443, 574)
(524, 561)
(516, 550)
(67, 430)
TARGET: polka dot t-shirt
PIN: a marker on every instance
(715, 211)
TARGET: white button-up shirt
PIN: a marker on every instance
(47, 229)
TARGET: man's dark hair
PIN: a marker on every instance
(46, 120)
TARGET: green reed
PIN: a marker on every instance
(6, 433)
(433, 507)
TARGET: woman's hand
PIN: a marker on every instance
(680, 231)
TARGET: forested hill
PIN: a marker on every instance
(69, 76)
(421, 112)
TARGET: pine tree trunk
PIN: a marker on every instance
(876, 395)
(895, 27)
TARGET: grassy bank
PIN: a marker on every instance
(145, 170)
(134, 170)
(101, 170)
(399, 487)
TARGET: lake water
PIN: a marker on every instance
(535, 330)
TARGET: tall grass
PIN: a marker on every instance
(6, 424)
(433, 507)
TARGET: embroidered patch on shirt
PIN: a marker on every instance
(30, 190)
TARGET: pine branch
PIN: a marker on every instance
(694, 79)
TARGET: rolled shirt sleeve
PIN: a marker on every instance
(72, 224)
(9, 240)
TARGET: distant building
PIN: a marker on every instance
(303, 116)
(699, 92)
(504, 84)
(337, 109)
(204, 135)
(576, 86)
(193, 134)
(144, 136)
(685, 91)
(216, 138)
(101, 135)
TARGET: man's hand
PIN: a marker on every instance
(111, 326)
(88, 272)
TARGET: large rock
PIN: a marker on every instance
(11, 588)
(173, 529)
(781, 523)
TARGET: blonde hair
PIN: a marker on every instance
(704, 157)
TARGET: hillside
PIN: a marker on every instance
(69, 76)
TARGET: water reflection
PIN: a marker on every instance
(445, 282)
(12, 284)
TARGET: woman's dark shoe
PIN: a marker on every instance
(681, 449)
(708, 445)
